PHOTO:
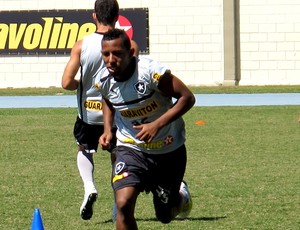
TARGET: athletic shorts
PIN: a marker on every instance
(88, 135)
(161, 174)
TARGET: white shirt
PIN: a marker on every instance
(88, 97)
(138, 100)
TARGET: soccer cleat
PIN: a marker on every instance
(86, 210)
(187, 202)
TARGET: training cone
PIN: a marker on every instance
(37, 223)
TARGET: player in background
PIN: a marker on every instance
(86, 56)
(150, 153)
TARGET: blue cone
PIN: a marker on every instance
(37, 223)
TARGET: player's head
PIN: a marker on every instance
(106, 11)
(116, 51)
(118, 34)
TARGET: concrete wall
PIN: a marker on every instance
(187, 36)
(270, 42)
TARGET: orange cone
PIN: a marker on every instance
(200, 122)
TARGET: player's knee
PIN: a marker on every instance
(125, 206)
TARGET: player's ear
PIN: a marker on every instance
(132, 52)
(135, 47)
(94, 16)
(116, 18)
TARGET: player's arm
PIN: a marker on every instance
(68, 79)
(173, 87)
(108, 119)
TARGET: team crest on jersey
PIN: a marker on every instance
(119, 167)
(140, 87)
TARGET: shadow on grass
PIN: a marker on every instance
(214, 218)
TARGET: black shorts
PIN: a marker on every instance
(88, 135)
(161, 174)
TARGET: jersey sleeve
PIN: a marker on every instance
(156, 71)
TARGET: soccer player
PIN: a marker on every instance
(86, 55)
(150, 152)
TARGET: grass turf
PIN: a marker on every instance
(243, 171)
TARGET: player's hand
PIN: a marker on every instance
(147, 132)
(104, 140)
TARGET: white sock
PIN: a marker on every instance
(86, 169)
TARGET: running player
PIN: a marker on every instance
(150, 152)
(86, 55)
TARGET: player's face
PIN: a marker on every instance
(115, 56)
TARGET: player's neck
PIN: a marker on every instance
(104, 28)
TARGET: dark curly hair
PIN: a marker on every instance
(115, 34)
(106, 11)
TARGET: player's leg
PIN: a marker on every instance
(168, 198)
(184, 208)
(86, 167)
(87, 139)
(126, 201)
(128, 171)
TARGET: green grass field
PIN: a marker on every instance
(243, 171)
(205, 90)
